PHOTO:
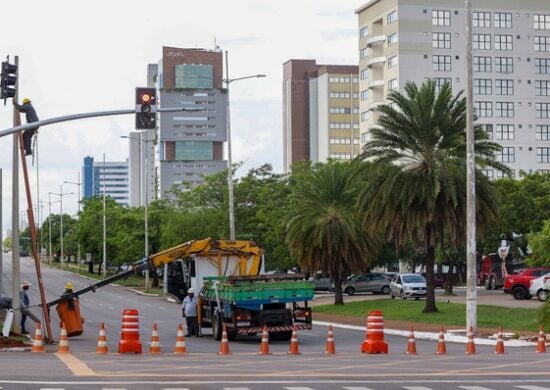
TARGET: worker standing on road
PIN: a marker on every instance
(189, 312)
(25, 303)
(31, 116)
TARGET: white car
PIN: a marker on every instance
(408, 286)
(540, 287)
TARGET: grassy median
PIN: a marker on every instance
(449, 314)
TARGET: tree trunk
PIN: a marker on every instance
(338, 296)
(449, 280)
(430, 262)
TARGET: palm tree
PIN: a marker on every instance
(419, 158)
(323, 230)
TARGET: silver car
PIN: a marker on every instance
(374, 282)
(408, 286)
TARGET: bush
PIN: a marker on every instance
(544, 315)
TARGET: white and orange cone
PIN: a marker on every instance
(441, 347)
(180, 342)
(470, 345)
(294, 349)
(224, 346)
(264, 346)
(101, 348)
(499, 349)
(541, 344)
(411, 346)
(330, 348)
(37, 345)
(154, 349)
(63, 340)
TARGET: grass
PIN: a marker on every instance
(449, 314)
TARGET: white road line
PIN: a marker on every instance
(417, 388)
(474, 388)
(356, 388)
(533, 387)
(52, 388)
(175, 388)
(113, 388)
(298, 388)
(236, 388)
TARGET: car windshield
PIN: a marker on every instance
(413, 279)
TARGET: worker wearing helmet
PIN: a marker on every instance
(189, 312)
(31, 116)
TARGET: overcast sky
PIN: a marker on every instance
(85, 56)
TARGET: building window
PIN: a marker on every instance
(441, 40)
(339, 141)
(543, 132)
(503, 20)
(392, 17)
(392, 84)
(440, 82)
(504, 65)
(490, 173)
(543, 171)
(364, 94)
(543, 155)
(542, 43)
(542, 110)
(503, 42)
(364, 53)
(339, 95)
(504, 87)
(340, 156)
(482, 42)
(392, 62)
(364, 73)
(364, 116)
(504, 109)
(481, 19)
(483, 86)
(339, 80)
(392, 39)
(488, 129)
(364, 31)
(340, 125)
(542, 65)
(441, 63)
(508, 155)
(542, 87)
(505, 132)
(541, 22)
(340, 110)
(482, 64)
(364, 137)
(483, 109)
(441, 18)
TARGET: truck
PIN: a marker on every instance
(233, 290)
(490, 270)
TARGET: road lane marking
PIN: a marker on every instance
(175, 388)
(298, 388)
(77, 366)
(236, 388)
(356, 388)
(417, 388)
(474, 388)
(533, 387)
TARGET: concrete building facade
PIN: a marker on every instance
(320, 112)
(109, 177)
(416, 40)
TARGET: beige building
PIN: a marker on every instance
(415, 40)
(320, 112)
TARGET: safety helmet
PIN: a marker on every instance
(69, 286)
(26, 100)
(191, 291)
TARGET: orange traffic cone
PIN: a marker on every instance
(541, 345)
(264, 346)
(37, 345)
(154, 349)
(224, 346)
(411, 347)
(500, 343)
(330, 348)
(293, 349)
(441, 347)
(63, 340)
(470, 345)
(180, 342)
(101, 348)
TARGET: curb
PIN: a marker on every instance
(449, 337)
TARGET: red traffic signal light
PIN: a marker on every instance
(146, 97)
(146, 100)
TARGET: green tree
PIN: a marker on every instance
(7, 243)
(418, 191)
(540, 245)
(323, 230)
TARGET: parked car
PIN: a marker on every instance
(439, 281)
(408, 286)
(374, 282)
(540, 287)
(321, 283)
(518, 284)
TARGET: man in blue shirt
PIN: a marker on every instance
(25, 302)
(189, 312)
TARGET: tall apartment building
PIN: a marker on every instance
(189, 143)
(320, 112)
(111, 177)
(415, 40)
(141, 167)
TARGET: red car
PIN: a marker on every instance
(518, 284)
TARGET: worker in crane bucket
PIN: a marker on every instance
(68, 311)
(189, 312)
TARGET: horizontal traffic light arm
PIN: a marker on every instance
(73, 117)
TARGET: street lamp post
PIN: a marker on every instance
(228, 81)
(78, 183)
(61, 194)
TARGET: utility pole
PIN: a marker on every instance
(471, 292)
(104, 225)
(15, 270)
(78, 183)
(1, 235)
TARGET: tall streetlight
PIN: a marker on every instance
(228, 81)
(61, 195)
(144, 181)
(50, 225)
(78, 183)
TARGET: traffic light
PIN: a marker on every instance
(8, 79)
(146, 108)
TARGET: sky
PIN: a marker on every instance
(87, 56)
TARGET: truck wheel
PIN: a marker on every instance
(216, 328)
(281, 336)
(519, 293)
(542, 295)
(493, 283)
(487, 284)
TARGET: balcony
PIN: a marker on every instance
(376, 61)
(376, 83)
(374, 106)
(376, 41)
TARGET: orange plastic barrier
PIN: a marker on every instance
(129, 335)
(374, 337)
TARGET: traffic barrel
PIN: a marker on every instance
(224, 346)
(374, 337)
(499, 349)
(154, 349)
(470, 345)
(37, 345)
(441, 347)
(541, 344)
(101, 348)
(180, 342)
(294, 348)
(330, 347)
(411, 346)
(264, 345)
(129, 335)
(63, 346)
